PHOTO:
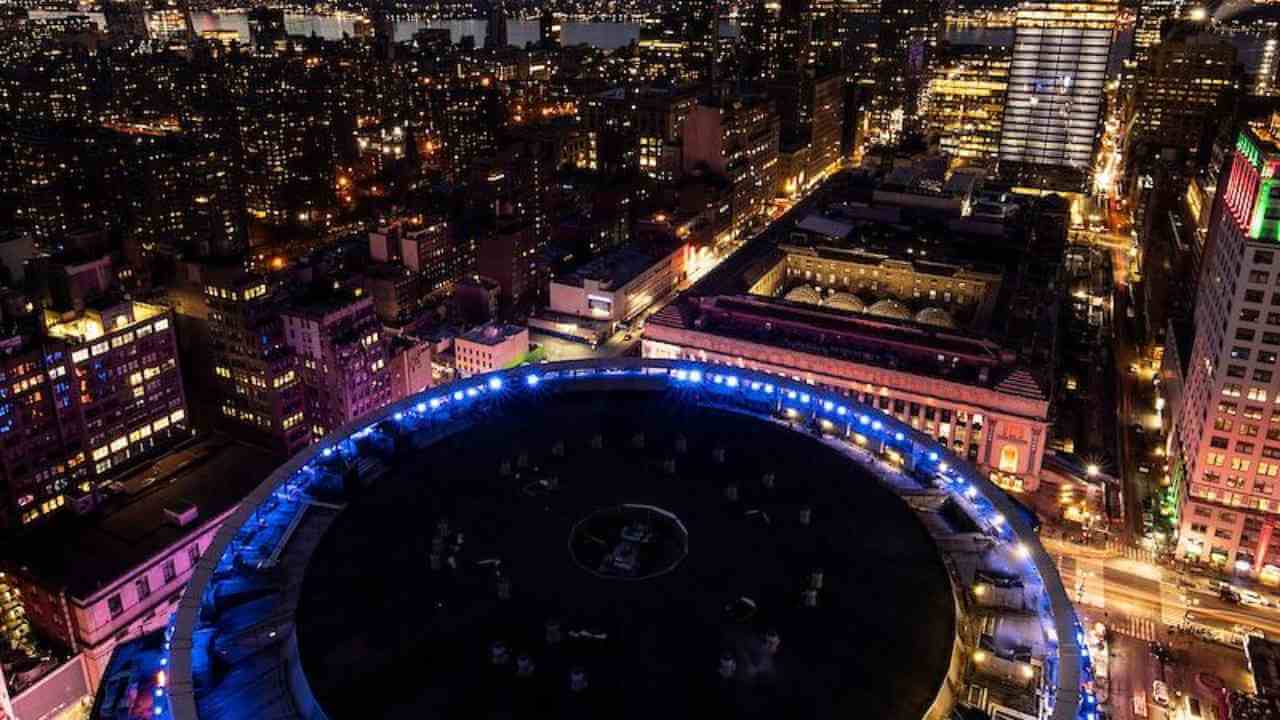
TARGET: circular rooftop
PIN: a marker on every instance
(613, 537)
(804, 294)
(445, 590)
(889, 308)
(846, 301)
(936, 317)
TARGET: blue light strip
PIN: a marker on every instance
(278, 499)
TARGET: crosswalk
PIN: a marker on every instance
(1135, 627)
(1129, 551)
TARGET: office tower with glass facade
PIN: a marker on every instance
(1056, 93)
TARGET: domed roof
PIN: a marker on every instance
(890, 308)
(804, 294)
(846, 301)
(935, 316)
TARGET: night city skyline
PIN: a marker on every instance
(901, 359)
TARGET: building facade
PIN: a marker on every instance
(490, 347)
(966, 101)
(256, 375)
(1228, 444)
(343, 353)
(99, 392)
(737, 139)
(621, 284)
(1056, 93)
(1182, 92)
(909, 338)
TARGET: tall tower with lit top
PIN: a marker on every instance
(1226, 460)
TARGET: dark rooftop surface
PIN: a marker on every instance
(383, 636)
(84, 554)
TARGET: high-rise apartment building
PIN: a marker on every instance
(427, 246)
(281, 147)
(1227, 450)
(737, 139)
(343, 353)
(97, 392)
(1056, 92)
(639, 128)
(464, 120)
(256, 375)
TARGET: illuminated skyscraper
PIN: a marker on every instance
(1056, 92)
(1227, 459)
(966, 100)
(1180, 90)
(1148, 28)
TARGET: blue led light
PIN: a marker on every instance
(950, 478)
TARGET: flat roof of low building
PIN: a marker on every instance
(86, 554)
(492, 333)
(619, 267)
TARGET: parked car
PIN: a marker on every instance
(1160, 693)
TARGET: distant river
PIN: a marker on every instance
(606, 35)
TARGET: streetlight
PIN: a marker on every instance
(1092, 470)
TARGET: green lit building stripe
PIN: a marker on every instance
(1246, 147)
(1260, 208)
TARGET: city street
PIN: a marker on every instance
(1142, 602)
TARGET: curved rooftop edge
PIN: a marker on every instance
(1003, 520)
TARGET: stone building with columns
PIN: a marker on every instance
(915, 338)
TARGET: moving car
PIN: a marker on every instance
(1251, 597)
